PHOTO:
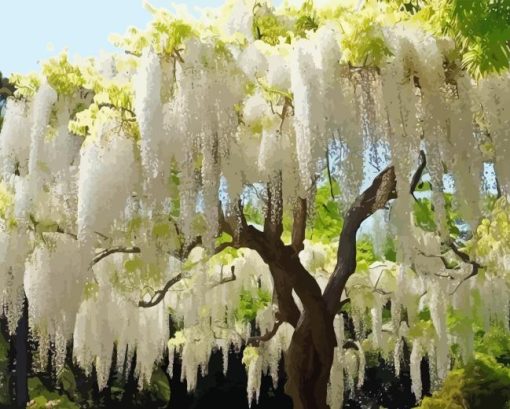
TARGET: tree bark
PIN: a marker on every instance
(308, 364)
(310, 355)
(21, 356)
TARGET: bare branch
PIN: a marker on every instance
(418, 174)
(178, 56)
(285, 111)
(342, 303)
(441, 257)
(375, 197)
(466, 259)
(227, 279)
(330, 179)
(460, 254)
(101, 235)
(160, 294)
(474, 271)
(186, 248)
(105, 253)
(219, 248)
(111, 106)
(62, 231)
(255, 341)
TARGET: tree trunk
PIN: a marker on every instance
(21, 356)
(310, 355)
(308, 365)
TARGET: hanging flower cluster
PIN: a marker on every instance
(112, 169)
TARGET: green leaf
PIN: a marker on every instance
(134, 264)
(160, 387)
(250, 304)
(424, 216)
(68, 381)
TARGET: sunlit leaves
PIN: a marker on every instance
(481, 382)
(362, 39)
(250, 304)
(165, 34)
(327, 221)
(274, 28)
(7, 206)
(492, 236)
(26, 85)
(63, 77)
(481, 30)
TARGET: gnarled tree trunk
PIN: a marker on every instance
(310, 355)
(307, 364)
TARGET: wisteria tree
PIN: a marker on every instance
(185, 175)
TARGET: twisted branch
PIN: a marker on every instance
(160, 294)
(255, 341)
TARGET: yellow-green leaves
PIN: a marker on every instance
(492, 237)
(274, 28)
(178, 340)
(250, 354)
(134, 41)
(307, 19)
(162, 230)
(113, 101)
(63, 77)
(84, 121)
(362, 39)
(165, 34)
(170, 35)
(26, 85)
(481, 30)
(269, 28)
(482, 383)
(250, 304)
(7, 205)
(137, 274)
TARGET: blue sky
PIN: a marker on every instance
(34, 30)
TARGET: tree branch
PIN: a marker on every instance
(186, 248)
(466, 259)
(375, 197)
(105, 253)
(441, 257)
(255, 341)
(111, 106)
(474, 271)
(342, 303)
(299, 225)
(219, 248)
(226, 280)
(330, 179)
(418, 174)
(160, 294)
(62, 231)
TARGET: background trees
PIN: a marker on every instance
(220, 170)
